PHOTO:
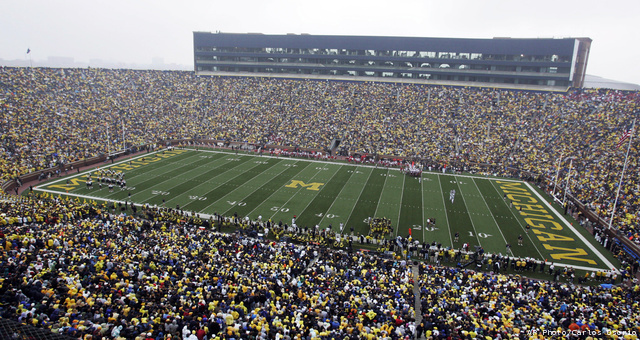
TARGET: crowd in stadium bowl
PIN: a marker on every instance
(52, 116)
(64, 263)
(91, 272)
(84, 271)
(475, 305)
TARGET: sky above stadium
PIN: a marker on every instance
(151, 31)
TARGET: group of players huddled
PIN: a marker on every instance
(109, 177)
(379, 226)
(411, 169)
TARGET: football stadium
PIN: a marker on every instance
(322, 187)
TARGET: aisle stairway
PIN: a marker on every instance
(416, 293)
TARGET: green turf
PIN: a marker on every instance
(327, 194)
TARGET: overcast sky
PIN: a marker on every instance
(136, 31)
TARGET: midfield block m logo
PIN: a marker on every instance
(311, 186)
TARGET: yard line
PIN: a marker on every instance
(180, 183)
(334, 174)
(284, 168)
(444, 205)
(192, 213)
(379, 200)
(107, 196)
(159, 183)
(357, 165)
(266, 199)
(292, 196)
(404, 179)
(467, 209)
(490, 213)
(361, 191)
(568, 225)
(169, 161)
(89, 170)
(95, 198)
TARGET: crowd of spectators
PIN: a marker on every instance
(84, 270)
(54, 116)
(112, 276)
(90, 272)
(462, 304)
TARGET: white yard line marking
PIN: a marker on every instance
(466, 207)
(446, 216)
(361, 191)
(334, 201)
(294, 195)
(404, 179)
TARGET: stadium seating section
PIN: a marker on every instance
(84, 271)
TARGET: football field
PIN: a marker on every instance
(486, 212)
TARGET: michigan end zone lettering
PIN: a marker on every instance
(73, 183)
(147, 160)
(542, 223)
(311, 186)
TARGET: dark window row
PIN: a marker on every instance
(428, 76)
(388, 53)
(461, 65)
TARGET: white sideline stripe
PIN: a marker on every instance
(568, 225)
(115, 201)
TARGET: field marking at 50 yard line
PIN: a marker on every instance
(260, 204)
(256, 178)
(295, 194)
(244, 199)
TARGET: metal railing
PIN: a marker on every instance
(11, 330)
